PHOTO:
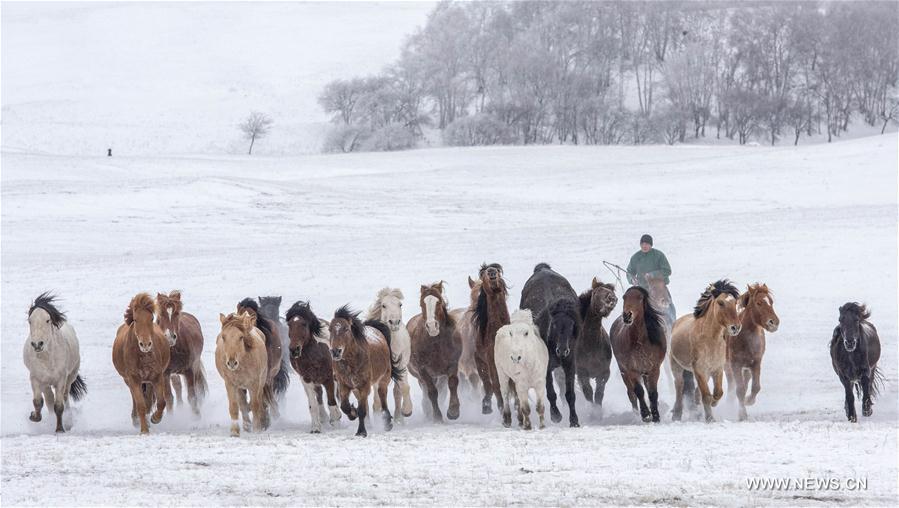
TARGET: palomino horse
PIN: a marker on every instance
(312, 361)
(639, 340)
(141, 354)
(521, 362)
(745, 351)
(854, 352)
(556, 309)
(594, 351)
(489, 315)
(388, 309)
(468, 337)
(699, 344)
(362, 359)
(241, 358)
(182, 330)
(278, 373)
(436, 349)
(52, 357)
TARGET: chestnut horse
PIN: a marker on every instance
(278, 373)
(468, 337)
(594, 351)
(639, 340)
(745, 351)
(312, 361)
(182, 330)
(241, 358)
(489, 315)
(140, 354)
(436, 348)
(362, 359)
(699, 345)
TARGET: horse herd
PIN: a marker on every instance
(556, 337)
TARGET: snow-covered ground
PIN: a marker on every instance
(818, 224)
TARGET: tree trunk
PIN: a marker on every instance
(252, 140)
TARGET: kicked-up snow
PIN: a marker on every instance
(816, 223)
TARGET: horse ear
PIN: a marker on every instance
(595, 283)
(471, 283)
(424, 289)
(160, 296)
(248, 319)
(743, 301)
(222, 318)
(175, 295)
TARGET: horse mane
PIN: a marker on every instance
(234, 319)
(859, 309)
(584, 301)
(356, 325)
(652, 317)
(522, 316)
(542, 266)
(262, 323)
(711, 292)
(304, 310)
(46, 301)
(175, 295)
(480, 313)
(141, 301)
(374, 311)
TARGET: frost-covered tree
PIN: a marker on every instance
(256, 126)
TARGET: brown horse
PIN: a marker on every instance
(182, 330)
(745, 351)
(639, 341)
(699, 345)
(140, 354)
(278, 373)
(436, 348)
(593, 350)
(312, 361)
(468, 337)
(362, 359)
(490, 315)
(241, 359)
(661, 300)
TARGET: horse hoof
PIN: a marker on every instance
(555, 415)
(676, 417)
(750, 401)
(315, 431)
(145, 432)
(507, 422)
(710, 419)
(853, 419)
(452, 413)
(486, 410)
(60, 430)
(574, 423)
(655, 418)
(155, 419)
(35, 417)
(646, 418)
(361, 433)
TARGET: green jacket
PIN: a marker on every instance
(652, 262)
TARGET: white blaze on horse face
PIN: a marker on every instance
(431, 323)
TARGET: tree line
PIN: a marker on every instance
(626, 72)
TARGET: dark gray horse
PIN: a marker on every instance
(270, 307)
(854, 351)
(556, 310)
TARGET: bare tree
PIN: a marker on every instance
(255, 126)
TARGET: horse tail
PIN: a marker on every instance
(78, 389)
(200, 381)
(282, 379)
(877, 382)
(396, 372)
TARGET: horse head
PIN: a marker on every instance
(491, 277)
(635, 301)
(302, 327)
(44, 319)
(168, 315)
(602, 298)
(718, 303)
(270, 307)
(658, 292)
(563, 328)
(852, 314)
(235, 338)
(345, 330)
(518, 334)
(388, 308)
(433, 307)
(759, 303)
(140, 313)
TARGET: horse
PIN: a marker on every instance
(854, 352)
(361, 358)
(594, 351)
(639, 341)
(53, 359)
(521, 362)
(388, 309)
(241, 357)
(312, 361)
(436, 348)
(278, 373)
(699, 344)
(745, 351)
(270, 308)
(661, 300)
(468, 336)
(183, 333)
(556, 308)
(141, 355)
(489, 315)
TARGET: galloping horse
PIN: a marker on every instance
(436, 349)
(141, 354)
(182, 330)
(242, 360)
(53, 359)
(278, 373)
(270, 307)
(639, 341)
(467, 332)
(556, 309)
(661, 300)
(699, 344)
(312, 361)
(388, 309)
(594, 351)
(745, 351)
(489, 315)
(521, 362)
(854, 352)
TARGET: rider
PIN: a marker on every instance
(647, 263)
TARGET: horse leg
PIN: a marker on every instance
(718, 383)
(398, 401)
(257, 406)
(233, 408)
(243, 401)
(343, 392)
(849, 405)
(584, 381)
(541, 406)
(452, 381)
(494, 379)
(314, 414)
(652, 386)
(334, 413)
(140, 405)
(190, 379)
(731, 374)
(865, 381)
(176, 385)
(376, 402)
(568, 367)
(554, 414)
(740, 378)
(431, 390)
(382, 395)
(638, 393)
(524, 410)
(406, 410)
(322, 414)
(507, 406)
(629, 386)
(362, 408)
(702, 381)
(484, 373)
(600, 392)
(59, 405)
(161, 385)
(678, 373)
(37, 399)
(756, 382)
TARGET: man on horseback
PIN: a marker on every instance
(647, 263)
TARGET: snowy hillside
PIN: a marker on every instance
(150, 78)
(816, 223)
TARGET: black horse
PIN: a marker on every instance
(854, 351)
(556, 310)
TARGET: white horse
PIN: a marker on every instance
(388, 309)
(521, 357)
(53, 359)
